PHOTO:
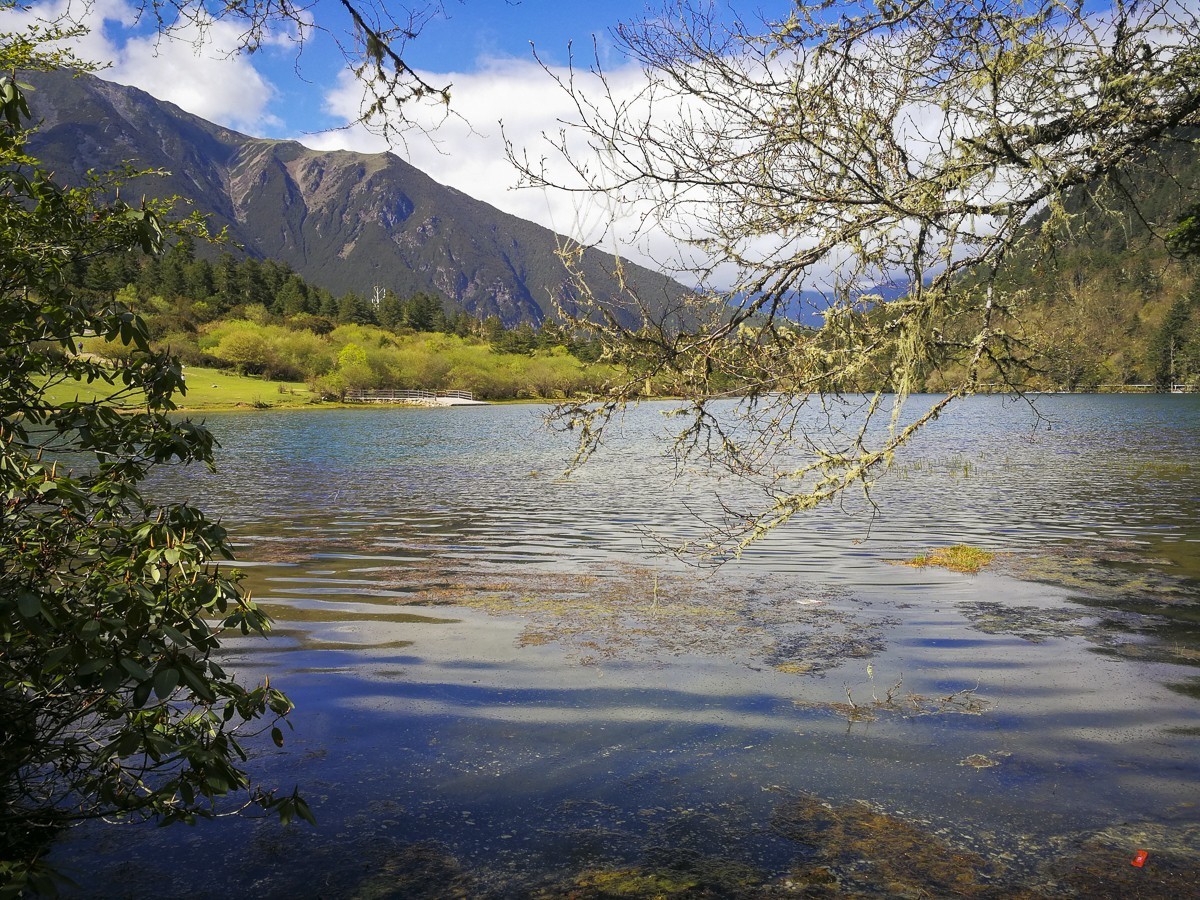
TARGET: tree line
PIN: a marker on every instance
(261, 318)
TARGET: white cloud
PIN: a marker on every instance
(205, 79)
(201, 73)
(466, 150)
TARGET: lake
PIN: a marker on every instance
(503, 690)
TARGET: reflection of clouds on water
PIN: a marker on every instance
(487, 653)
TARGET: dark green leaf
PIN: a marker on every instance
(141, 693)
(134, 668)
(165, 682)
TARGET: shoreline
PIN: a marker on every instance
(375, 404)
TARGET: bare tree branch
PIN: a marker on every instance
(888, 157)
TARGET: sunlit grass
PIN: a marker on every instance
(959, 558)
(206, 389)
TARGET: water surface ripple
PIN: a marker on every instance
(503, 690)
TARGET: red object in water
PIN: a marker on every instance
(1139, 858)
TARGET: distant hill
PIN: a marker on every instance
(344, 221)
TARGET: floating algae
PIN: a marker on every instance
(1030, 623)
(1128, 635)
(1114, 574)
(816, 651)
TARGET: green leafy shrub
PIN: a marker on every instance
(111, 607)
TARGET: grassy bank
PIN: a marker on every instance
(210, 389)
(216, 389)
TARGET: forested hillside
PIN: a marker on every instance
(258, 317)
(1108, 304)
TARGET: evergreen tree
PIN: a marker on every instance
(251, 285)
(353, 309)
(1171, 347)
(424, 312)
(391, 311)
(292, 298)
(226, 282)
(199, 283)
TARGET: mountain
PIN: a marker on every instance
(344, 221)
(1107, 307)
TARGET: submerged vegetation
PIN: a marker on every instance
(638, 613)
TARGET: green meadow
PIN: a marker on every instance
(208, 389)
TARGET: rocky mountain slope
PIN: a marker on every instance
(343, 220)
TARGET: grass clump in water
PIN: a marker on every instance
(963, 702)
(959, 558)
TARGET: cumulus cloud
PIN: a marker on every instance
(206, 80)
(200, 72)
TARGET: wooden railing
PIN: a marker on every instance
(1148, 389)
(391, 396)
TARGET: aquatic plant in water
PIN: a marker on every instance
(959, 558)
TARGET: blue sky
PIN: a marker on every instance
(471, 37)
(481, 28)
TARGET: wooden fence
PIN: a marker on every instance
(389, 396)
(1148, 389)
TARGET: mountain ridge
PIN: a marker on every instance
(343, 220)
